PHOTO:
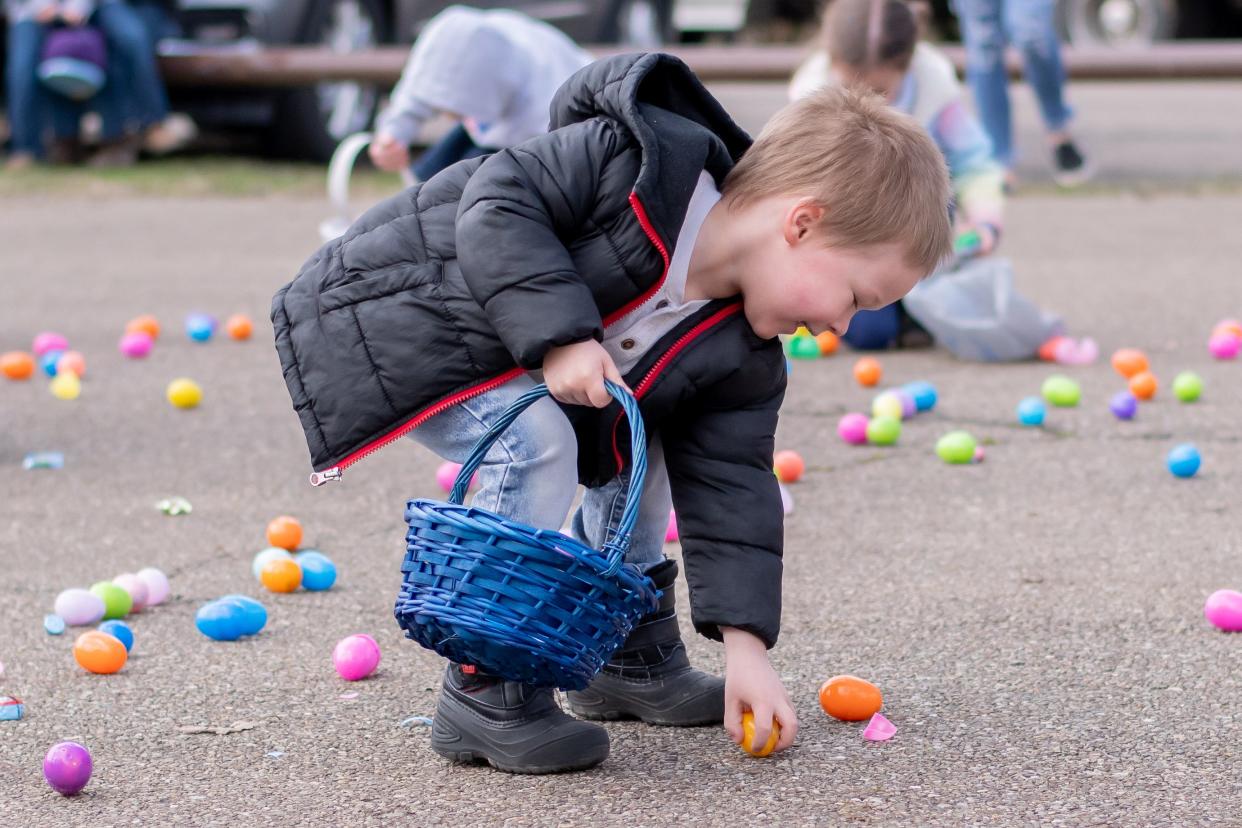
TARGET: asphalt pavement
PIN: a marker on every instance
(1034, 621)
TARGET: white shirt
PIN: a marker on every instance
(630, 337)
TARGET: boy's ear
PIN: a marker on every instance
(802, 216)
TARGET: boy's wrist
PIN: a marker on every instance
(738, 639)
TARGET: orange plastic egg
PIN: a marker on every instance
(1143, 385)
(850, 698)
(788, 466)
(146, 323)
(281, 575)
(73, 362)
(1129, 361)
(239, 326)
(285, 532)
(868, 371)
(17, 365)
(748, 736)
(1232, 326)
(828, 342)
(98, 652)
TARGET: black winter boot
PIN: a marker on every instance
(515, 727)
(650, 677)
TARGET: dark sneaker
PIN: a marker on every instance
(1069, 167)
(513, 727)
(650, 677)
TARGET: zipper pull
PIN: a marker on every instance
(326, 476)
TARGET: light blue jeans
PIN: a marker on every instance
(1030, 25)
(530, 474)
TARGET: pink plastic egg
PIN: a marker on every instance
(136, 588)
(157, 585)
(48, 341)
(356, 657)
(852, 428)
(670, 534)
(135, 345)
(1224, 610)
(1224, 345)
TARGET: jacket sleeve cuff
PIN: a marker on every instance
(752, 603)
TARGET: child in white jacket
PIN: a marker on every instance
(494, 71)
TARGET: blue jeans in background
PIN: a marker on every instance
(874, 330)
(134, 82)
(530, 474)
(28, 99)
(455, 146)
(1030, 25)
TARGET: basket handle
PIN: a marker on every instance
(619, 542)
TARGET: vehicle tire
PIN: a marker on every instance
(1119, 23)
(642, 24)
(311, 121)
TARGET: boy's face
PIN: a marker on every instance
(801, 281)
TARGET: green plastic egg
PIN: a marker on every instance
(883, 431)
(117, 602)
(1188, 386)
(956, 447)
(803, 347)
(1061, 391)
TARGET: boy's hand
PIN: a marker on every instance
(751, 684)
(575, 373)
(983, 236)
(388, 153)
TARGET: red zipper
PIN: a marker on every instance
(319, 478)
(682, 342)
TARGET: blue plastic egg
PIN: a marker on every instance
(924, 394)
(1031, 411)
(223, 620)
(120, 631)
(48, 362)
(1184, 460)
(318, 572)
(254, 612)
(200, 326)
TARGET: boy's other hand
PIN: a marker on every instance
(751, 684)
(47, 14)
(388, 153)
(986, 236)
(575, 373)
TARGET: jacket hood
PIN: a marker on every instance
(681, 128)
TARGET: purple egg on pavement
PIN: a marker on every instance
(135, 345)
(67, 767)
(1124, 405)
(852, 428)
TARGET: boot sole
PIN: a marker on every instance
(627, 716)
(460, 745)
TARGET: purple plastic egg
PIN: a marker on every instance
(135, 345)
(136, 588)
(67, 767)
(1124, 405)
(48, 341)
(1224, 610)
(908, 406)
(79, 607)
(852, 428)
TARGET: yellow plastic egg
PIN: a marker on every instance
(184, 393)
(748, 736)
(66, 386)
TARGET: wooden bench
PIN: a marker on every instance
(300, 66)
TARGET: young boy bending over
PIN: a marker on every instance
(648, 241)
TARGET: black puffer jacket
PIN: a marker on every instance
(455, 286)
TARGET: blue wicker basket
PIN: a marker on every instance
(526, 604)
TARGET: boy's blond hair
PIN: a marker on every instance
(879, 177)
